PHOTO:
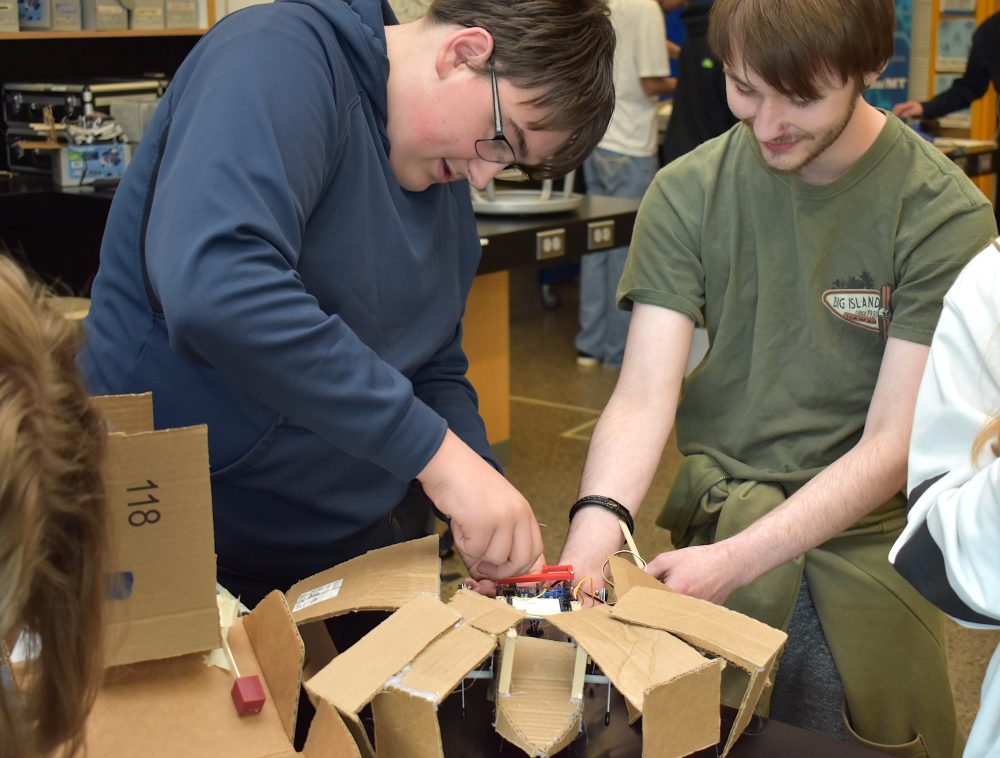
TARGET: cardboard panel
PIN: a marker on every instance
(684, 714)
(329, 736)
(437, 670)
(161, 511)
(493, 616)
(357, 730)
(353, 678)
(182, 706)
(746, 642)
(627, 575)
(320, 649)
(380, 579)
(758, 680)
(538, 715)
(126, 413)
(406, 726)
(634, 658)
(280, 654)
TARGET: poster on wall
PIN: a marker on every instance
(958, 6)
(954, 40)
(891, 87)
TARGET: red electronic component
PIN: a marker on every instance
(248, 695)
(562, 573)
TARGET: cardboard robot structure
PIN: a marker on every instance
(167, 693)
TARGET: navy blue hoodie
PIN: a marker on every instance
(263, 272)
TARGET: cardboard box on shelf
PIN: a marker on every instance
(145, 14)
(9, 21)
(34, 14)
(67, 15)
(181, 14)
(104, 15)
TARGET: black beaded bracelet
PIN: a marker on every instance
(605, 502)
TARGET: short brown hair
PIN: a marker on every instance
(565, 49)
(53, 523)
(794, 44)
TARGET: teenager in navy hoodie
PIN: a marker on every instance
(288, 256)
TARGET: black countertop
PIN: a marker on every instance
(59, 229)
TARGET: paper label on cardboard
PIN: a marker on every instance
(537, 606)
(318, 595)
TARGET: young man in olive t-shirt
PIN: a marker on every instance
(814, 241)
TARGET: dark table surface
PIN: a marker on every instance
(474, 736)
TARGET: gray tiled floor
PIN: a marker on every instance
(554, 406)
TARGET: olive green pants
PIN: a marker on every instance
(887, 641)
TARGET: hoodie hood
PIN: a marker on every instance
(360, 28)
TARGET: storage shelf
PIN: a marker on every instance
(90, 34)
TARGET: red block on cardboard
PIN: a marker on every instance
(248, 695)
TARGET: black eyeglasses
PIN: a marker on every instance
(496, 149)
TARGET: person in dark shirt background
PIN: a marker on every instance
(700, 111)
(982, 67)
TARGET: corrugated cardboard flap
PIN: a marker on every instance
(161, 511)
(181, 706)
(627, 575)
(748, 643)
(492, 616)
(634, 658)
(438, 669)
(280, 654)
(382, 579)
(126, 413)
(353, 678)
(682, 715)
(328, 736)
(406, 726)
(538, 715)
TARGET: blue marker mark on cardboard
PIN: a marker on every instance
(120, 585)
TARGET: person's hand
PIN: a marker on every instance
(495, 530)
(909, 109)
(709, 572)
(488, 587)
(593, 536)
(485, 587)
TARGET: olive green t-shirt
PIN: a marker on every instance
(798, 286)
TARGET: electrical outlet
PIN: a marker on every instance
(600, 235)
(550, 244)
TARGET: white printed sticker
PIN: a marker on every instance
(537, 606)
(317, 595)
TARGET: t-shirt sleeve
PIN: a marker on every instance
(652, 46)
(664, 266)
(950, 234)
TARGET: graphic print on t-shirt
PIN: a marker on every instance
(857, 301)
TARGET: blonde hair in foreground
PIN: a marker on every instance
(988, 437)
(53, 524)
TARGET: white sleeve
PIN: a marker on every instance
(950, 548)
(651, 37)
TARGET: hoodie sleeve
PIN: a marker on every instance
(251, 140)
(948, 548)
(442, 384)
